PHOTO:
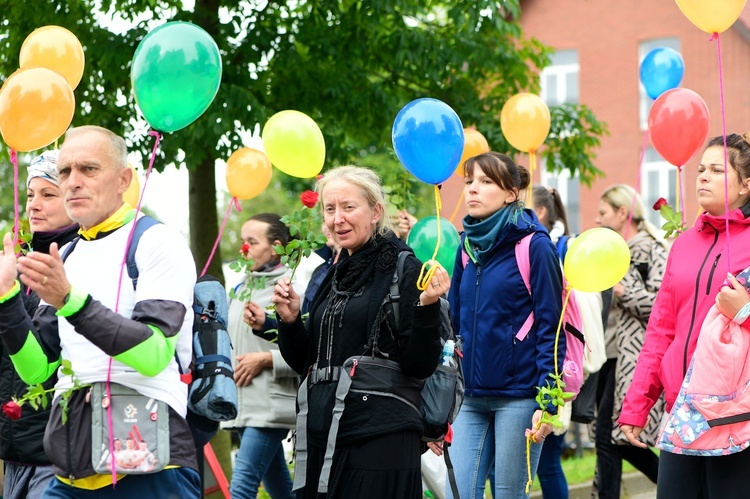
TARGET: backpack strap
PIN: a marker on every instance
(69, 248)
(562, 247)
(394, 295)
(524, 267)
(141, 225)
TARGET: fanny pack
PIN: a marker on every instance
(140, 431)
(364, 376)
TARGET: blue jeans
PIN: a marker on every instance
(551, 475)
(174, 483)
(487, 429)
(261, 458)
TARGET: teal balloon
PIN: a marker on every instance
(423, 239)
(175, 74)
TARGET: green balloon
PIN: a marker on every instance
(423, 238)
(175, 73)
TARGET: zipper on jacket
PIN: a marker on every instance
(711, 274)
(474, 325)
(695, 302)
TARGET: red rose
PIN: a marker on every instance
(12, 409)
(309, 198)
(659, 203)
(245, 249)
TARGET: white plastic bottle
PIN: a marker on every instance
(448, 350)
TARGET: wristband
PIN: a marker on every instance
(743, 314)
(74, 302)
(13, 292)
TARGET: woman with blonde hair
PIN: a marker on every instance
(354, 441)
(632, 300)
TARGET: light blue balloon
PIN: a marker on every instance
(428, 138)
(661, 70)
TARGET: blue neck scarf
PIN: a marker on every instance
(482, 234)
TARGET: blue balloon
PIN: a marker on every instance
(661, 70)
(428, 138)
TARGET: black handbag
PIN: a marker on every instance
(584, 406)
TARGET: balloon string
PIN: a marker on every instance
(678, 193)
(724, 136)
(637, 183)
(458, 205)
(234, 202)
(111, 442)
(16, 214)
(427, 271)
(532, 167)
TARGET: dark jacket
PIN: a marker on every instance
(414, 343)
(489, 304)
(21, 439)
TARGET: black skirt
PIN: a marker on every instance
(386, 467)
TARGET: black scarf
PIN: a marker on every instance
(41, 241)
(371, 266)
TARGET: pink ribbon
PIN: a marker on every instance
(234, 202)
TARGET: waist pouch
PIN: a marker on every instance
(364, 376)
(140, 431)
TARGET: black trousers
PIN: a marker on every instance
(609, 455)
(698, 477)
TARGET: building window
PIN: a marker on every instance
(570, 193)
(644, 101)
(559, 80)
(658, 180)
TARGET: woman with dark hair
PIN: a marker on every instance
(355, 440)
(27, 468)
(693, 282)
(266, 385)
(502, 367)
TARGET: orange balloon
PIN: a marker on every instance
(248, 173)
(474, 145)
(36, 107)
(525, 121)
(55, 48)
(133, 193)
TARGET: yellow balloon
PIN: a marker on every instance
(133, 192)
(596, 260)
(248, 173)
(525, 121)
(474, 145)
(55, 48)
(294, 144)
(714, 16)
(36, 107)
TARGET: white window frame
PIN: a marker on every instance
(666, 185)
(560, 73)
(564, 184)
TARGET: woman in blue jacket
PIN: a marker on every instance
(490, 304)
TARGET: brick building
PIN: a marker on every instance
(599, 46)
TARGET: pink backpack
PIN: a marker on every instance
(572, 321)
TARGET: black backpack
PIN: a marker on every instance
(443, 391)
(212, 393)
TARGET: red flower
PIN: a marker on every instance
(245, 249)
(12, 410)
(659, 203)
(309, 198)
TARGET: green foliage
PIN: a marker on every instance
(304, 226)
(673, 224)
(244, 265)
(36, 395)
(349, 65)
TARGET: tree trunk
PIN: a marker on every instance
(203, 218)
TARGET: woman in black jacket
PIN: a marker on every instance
(377, 439)
(27, 469)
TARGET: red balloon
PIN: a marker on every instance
(678, 124)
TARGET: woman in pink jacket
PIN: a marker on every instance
(696, 270)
